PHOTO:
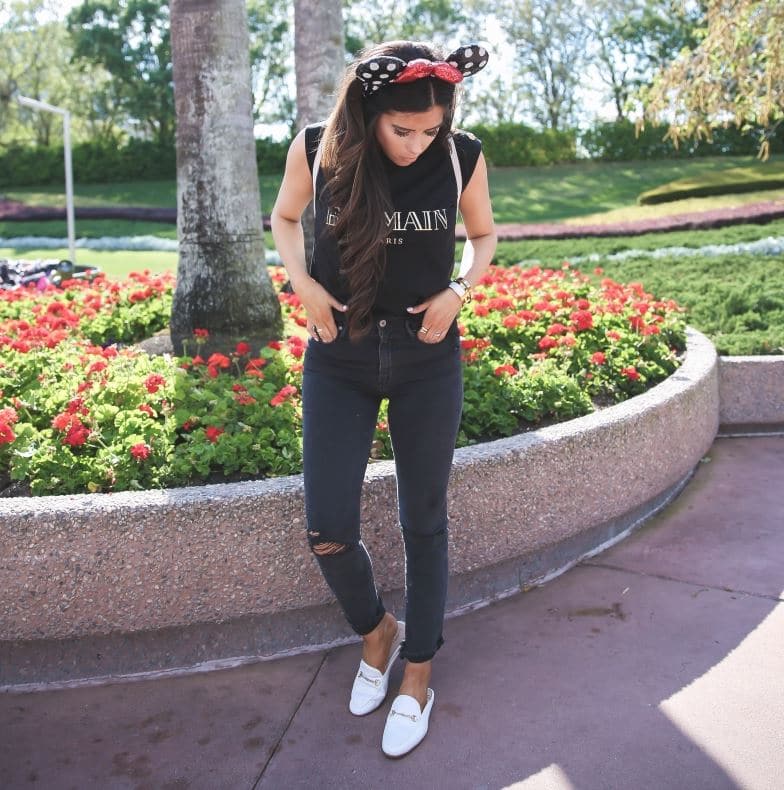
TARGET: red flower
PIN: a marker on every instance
(244, 399)
(282, 395)
(636, 323)
(274, 344)
(219, 361)
(613, 335)
(547, 342)
(147, 409)
(96, 367)
(212, 433)
(512, 321)
(598, 358)
(6, 433)
(140, 451)
(61, 421)
(630, 373)
(77, 434)
(481, 310)
(242, 348)
(201, 333)
(582, 320)
(556, 329)
(154, 382)
(508, 369)
(8, 415)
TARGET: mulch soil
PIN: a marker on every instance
(759, 213)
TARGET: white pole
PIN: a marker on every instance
(69, 200)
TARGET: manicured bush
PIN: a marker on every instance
(517, 145)
(101, 163)
(732, 181)
(618, 141)
(78, 414)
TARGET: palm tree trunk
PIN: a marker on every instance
(319, 60)
(222, 280)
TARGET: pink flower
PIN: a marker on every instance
(598, 358)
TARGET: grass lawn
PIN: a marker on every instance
(520, 194)
(737, 300)
(117, 264)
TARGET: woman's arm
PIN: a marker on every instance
(481, 237)
(441, 309)
(296, 191)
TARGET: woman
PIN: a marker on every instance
(388, 174)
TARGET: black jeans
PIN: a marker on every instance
(343, 385)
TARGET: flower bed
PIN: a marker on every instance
(81, 411)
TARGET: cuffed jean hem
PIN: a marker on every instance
(362, 632)
(420, 658)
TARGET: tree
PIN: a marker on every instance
(36, 62)
(130, 39)
(222, 280)
(734, 75)
(271, 48)
(370, 22)
(319, 57)
(549, 38)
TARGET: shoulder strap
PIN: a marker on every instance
(316, 163)
(456, 168)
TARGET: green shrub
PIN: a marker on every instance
(77, 415)
(618, 141)
(96, 162)
(735, 180)
(518, 145)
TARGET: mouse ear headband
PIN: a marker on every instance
(382, 70)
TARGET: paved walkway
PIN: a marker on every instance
(658, 664)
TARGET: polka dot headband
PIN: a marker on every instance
(382, 70)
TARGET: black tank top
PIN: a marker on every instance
(421, 241)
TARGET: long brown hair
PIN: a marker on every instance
(356, 178)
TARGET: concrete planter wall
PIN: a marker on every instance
(100, 585)
(751, 392)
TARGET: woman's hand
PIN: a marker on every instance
(318, 304)
(440, 311)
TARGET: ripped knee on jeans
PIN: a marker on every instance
(326, 548)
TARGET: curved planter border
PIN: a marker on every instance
(113, 585)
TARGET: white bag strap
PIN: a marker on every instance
(316, 163)
(456, 168)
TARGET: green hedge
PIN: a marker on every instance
(136, 160)
(617, 141)
(732, 181)
(518, 145)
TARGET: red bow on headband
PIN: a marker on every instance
(420, 67)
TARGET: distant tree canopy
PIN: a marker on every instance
(735, 74)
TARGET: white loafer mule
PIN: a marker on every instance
(406, 724)
(370, 685)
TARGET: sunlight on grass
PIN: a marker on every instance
(114, 264)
